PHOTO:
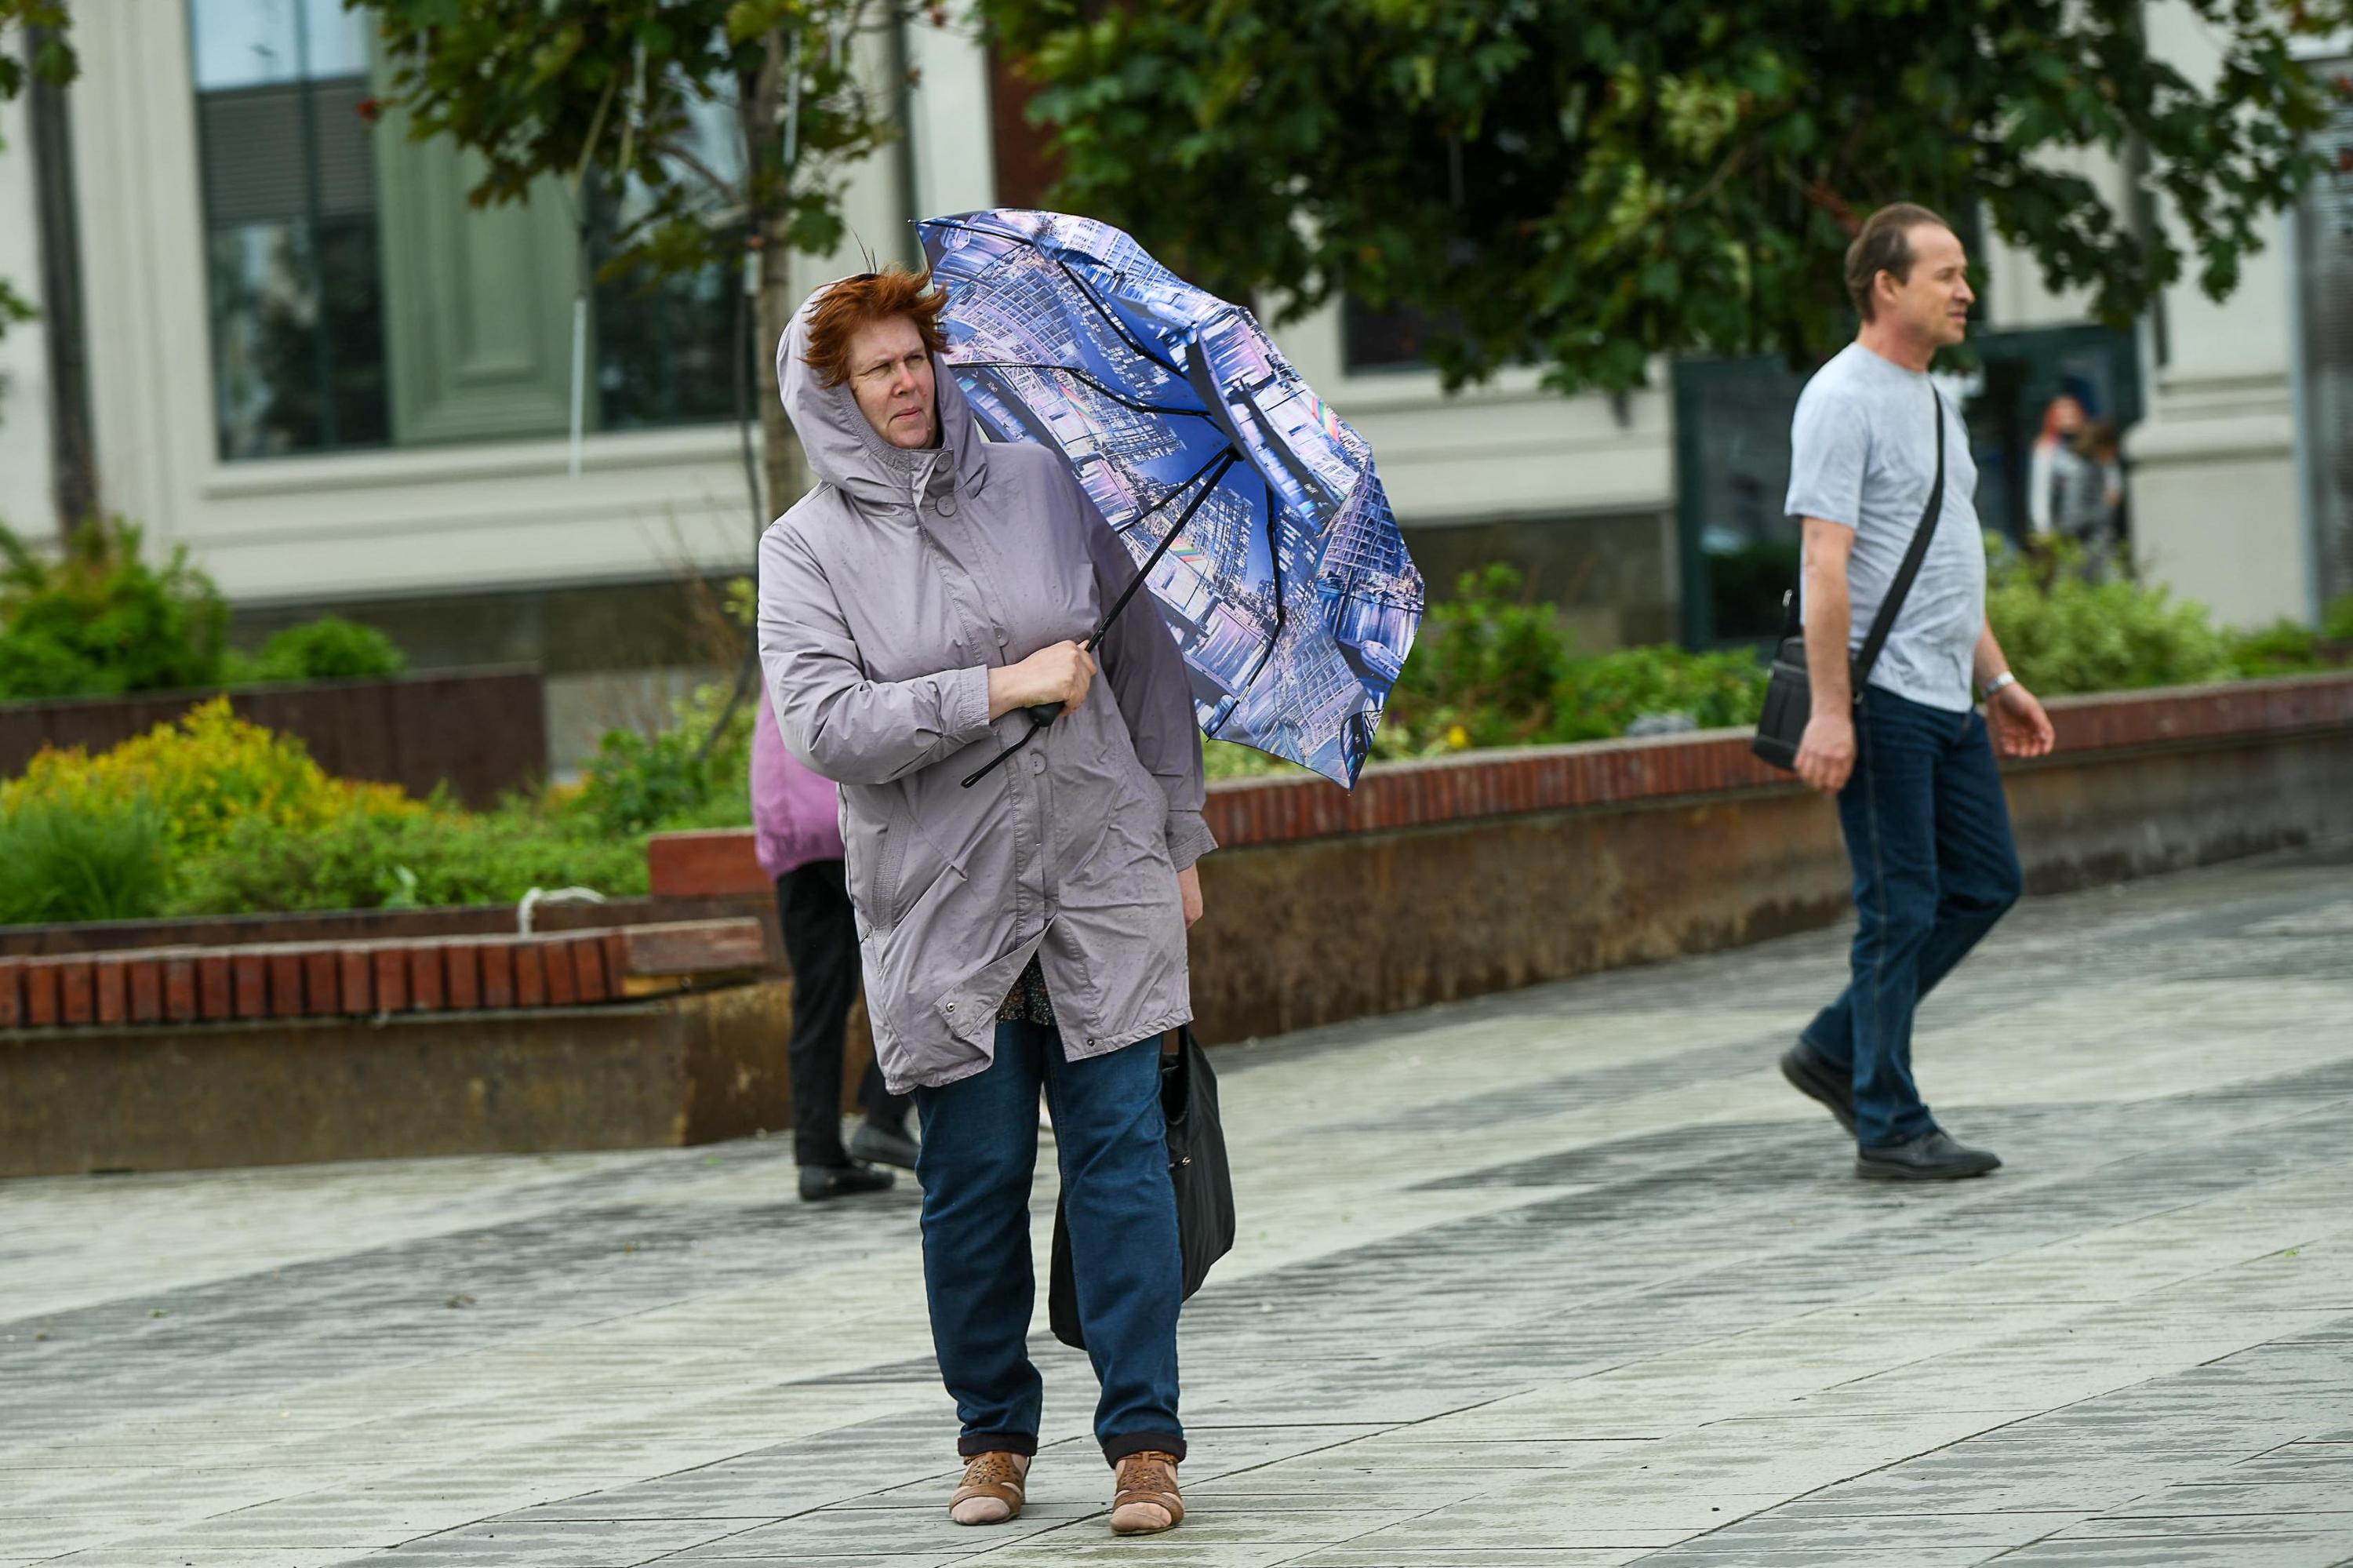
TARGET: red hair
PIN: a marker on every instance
(863, 301)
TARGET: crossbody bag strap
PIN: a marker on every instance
(1885, 621)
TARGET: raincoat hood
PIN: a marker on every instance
(844, 451)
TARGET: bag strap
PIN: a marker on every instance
(1885, 621)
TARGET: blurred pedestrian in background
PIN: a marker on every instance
(1023, 925)
(2075, 483)
(796, 827)
(2055, 468)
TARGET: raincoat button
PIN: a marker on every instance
(952, 1007)
(947, 506)
(1037, 764)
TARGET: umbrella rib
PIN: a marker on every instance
(1086, 291)
(1223, 462)
(1282, 617)
(1067, 370)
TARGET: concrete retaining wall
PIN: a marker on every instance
(1324, 929)
(683, 1070)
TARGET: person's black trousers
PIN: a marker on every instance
(821, 941)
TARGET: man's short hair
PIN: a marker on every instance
(1885, 245)
(859, 302)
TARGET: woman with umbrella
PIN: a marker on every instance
(1027, 928)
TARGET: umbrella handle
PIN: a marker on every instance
(1045, 714)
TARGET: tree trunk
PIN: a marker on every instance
(787, 475)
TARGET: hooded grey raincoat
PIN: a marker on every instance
(886, 596)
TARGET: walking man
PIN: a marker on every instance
(1909, 759)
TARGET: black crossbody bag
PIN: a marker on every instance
(1789, 690)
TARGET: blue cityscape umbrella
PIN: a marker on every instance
(1252, 511)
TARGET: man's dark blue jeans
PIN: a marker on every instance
(1928, 830)
(979, 1152)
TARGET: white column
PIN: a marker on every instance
(27, 503)
(948, 125)
(2216, 511)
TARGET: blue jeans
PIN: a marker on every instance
(980, 1154)
(1928, 830)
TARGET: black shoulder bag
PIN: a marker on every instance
(1788, 692)
(1198, 1167)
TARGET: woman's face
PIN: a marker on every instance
(2066, 416)
(891, 375)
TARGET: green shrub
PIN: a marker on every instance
(2283, 648)
(327, 649)
(98, 620)
(1484, 669)
(2337, 620)
(61, 864)
(640, 784)
(435, 857)
(1490, 668)
(2067, 634)
(1601, 697)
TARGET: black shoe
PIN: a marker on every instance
(820, 1182)
(1814, 1075)
(1931, 1157)
(882, 1145)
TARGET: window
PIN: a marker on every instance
(289, 226)
(358, 302)
(1378, 340)
(663, 354)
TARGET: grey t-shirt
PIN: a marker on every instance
(1863, 452)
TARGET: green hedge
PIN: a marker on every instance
(85, 839)
(97, 619)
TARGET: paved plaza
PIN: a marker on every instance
(1564, 1278)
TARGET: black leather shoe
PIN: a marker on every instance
(1814, 1075)
(820, 1182)
(1931, 1157)
(882, 1145)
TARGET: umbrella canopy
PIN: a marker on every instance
(1251, 510)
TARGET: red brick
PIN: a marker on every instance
(286, 983)
(530, 975)
(694, 946)
(617, 962)
(391, 978)
(112, 981)
(426, 993)
(323, 969)
(588, 966)
(146, 978)
(41, 994)
(249, 980)
(180, 990)
(461, 976)
(498, 960)
(355, 981)
(555, 957)
(680, 866)
(77, 993)
(12, 994)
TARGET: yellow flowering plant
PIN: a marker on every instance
(203, 776)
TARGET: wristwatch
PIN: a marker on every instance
(1997, 683)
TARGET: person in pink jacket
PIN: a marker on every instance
(797, 830)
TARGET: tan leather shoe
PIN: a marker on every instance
(992, 1489)
(1147, 1502)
